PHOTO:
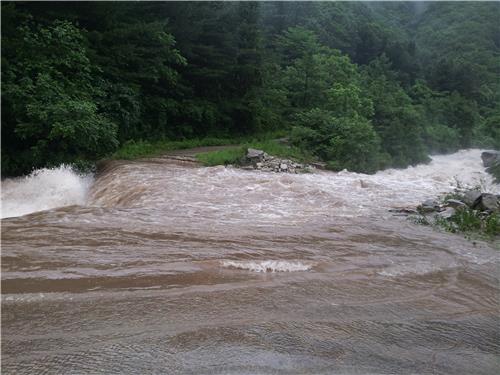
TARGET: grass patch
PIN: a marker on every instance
(464, 220)
(135, 149)
(492, 225)
(138, 149)
(472, 223)
(222, 157)
(235, 155)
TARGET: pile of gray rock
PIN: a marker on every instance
(260, 160)
(485, 203)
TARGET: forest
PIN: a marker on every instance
(362, 86)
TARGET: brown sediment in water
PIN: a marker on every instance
(141, 278)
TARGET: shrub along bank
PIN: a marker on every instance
(361, 86)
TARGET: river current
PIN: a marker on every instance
(154, 266)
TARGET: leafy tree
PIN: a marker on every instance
(438, 135)
(395, 119)
(49, 96)
(463, 116)
(344, 142)
(311, 69)
(139, 64)
(490, 129)
(79, 77)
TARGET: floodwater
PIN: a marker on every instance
(160, 267)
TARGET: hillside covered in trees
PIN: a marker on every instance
(362, 86)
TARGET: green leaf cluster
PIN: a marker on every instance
(360, 85)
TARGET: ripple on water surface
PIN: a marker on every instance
(160, 268)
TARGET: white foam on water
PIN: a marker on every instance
(247, 196)
(267, 265)
(420, 268)
(254, 197)
(44, 189)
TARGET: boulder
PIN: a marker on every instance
(455, 203)
(447, 214)
(471, 197)
(430, 205)
(487, 202)
(283, 167)
(490, 158)
(255, 155)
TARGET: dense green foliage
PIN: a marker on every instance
(361, 86)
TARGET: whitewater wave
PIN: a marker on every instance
(420, 268)
(267, 265)
(232, 194)
(44, 189)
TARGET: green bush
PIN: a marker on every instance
(48, 101)
(441, 138)
(343, 142)
(492, 225)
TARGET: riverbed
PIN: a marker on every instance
(155, 266)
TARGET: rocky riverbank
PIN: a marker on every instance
(262, 161)
(472, 212)
(469, 211)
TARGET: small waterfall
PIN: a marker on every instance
(233, 194)
(44, 189)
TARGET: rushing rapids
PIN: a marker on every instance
(156, 267)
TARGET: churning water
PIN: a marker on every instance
(44, 189)
(156, 267)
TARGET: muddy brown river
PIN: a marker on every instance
(156, 267)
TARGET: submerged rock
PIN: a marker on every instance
(403, 211)
(430, 205)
